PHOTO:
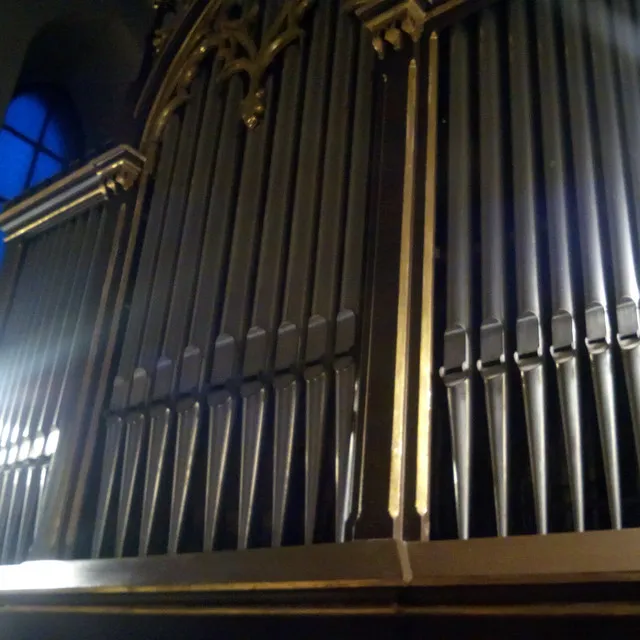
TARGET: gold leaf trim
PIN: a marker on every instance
(255, 61)
(237, 52)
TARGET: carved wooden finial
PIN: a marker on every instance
(389, 20)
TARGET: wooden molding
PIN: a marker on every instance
(97, 181)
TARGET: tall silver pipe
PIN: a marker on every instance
(529, 338)
(188, 421)
(493, 359)
(316, 391)
(221, 419)
(618, 210)
(564, 339)
(597, 320)
(254, 399)
(455, 371)
(286, 406)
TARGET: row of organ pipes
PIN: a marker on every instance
(561, 68)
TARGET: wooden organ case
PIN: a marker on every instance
(353, 327)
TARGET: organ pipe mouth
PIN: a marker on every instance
(457, 355)
(598, 338)
(628, 324)
(563, 336)
(490, 370)
(628, 342)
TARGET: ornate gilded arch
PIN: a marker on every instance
(231, 40)
(203, 27)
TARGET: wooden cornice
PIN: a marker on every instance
(393, 21)
(557, 574)
(95, 182)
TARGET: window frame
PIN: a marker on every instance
(59, 107)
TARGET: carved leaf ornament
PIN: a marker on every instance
(232, 42)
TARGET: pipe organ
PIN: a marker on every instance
(535, 195)
(239, 356)
(338, 293)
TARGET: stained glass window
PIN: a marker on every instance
(33, 144)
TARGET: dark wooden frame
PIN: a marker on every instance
(544, 575)
(589, 573)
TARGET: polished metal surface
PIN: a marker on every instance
(222, 409)
(112, 452)
(564, 339)
(286, 390)
(493, 360)
(316, 385)
(254, 398)
(530, 343)
(122, 382)
(597, 319)
(134, 436)
(456, 370)
(345, 441)
(623, 32)
(160, 420)
(330, 234)
(248, 294)
(617, 206)
(96, 326)
(186, 439)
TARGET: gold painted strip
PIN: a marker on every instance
(554, 609)
(396, 481)
(124, 587)
(238, 610)
(423, 468)
(83, 203)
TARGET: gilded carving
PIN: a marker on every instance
(120, 175)
(388, 21)
(163, 34)
(160, 38)
(234, 37)
(234, 46)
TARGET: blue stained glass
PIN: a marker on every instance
(46, 166)
(15, 159)
(26, 114)
(53, 139)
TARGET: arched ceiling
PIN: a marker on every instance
(92, 49)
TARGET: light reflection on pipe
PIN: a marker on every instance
(38, 576)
